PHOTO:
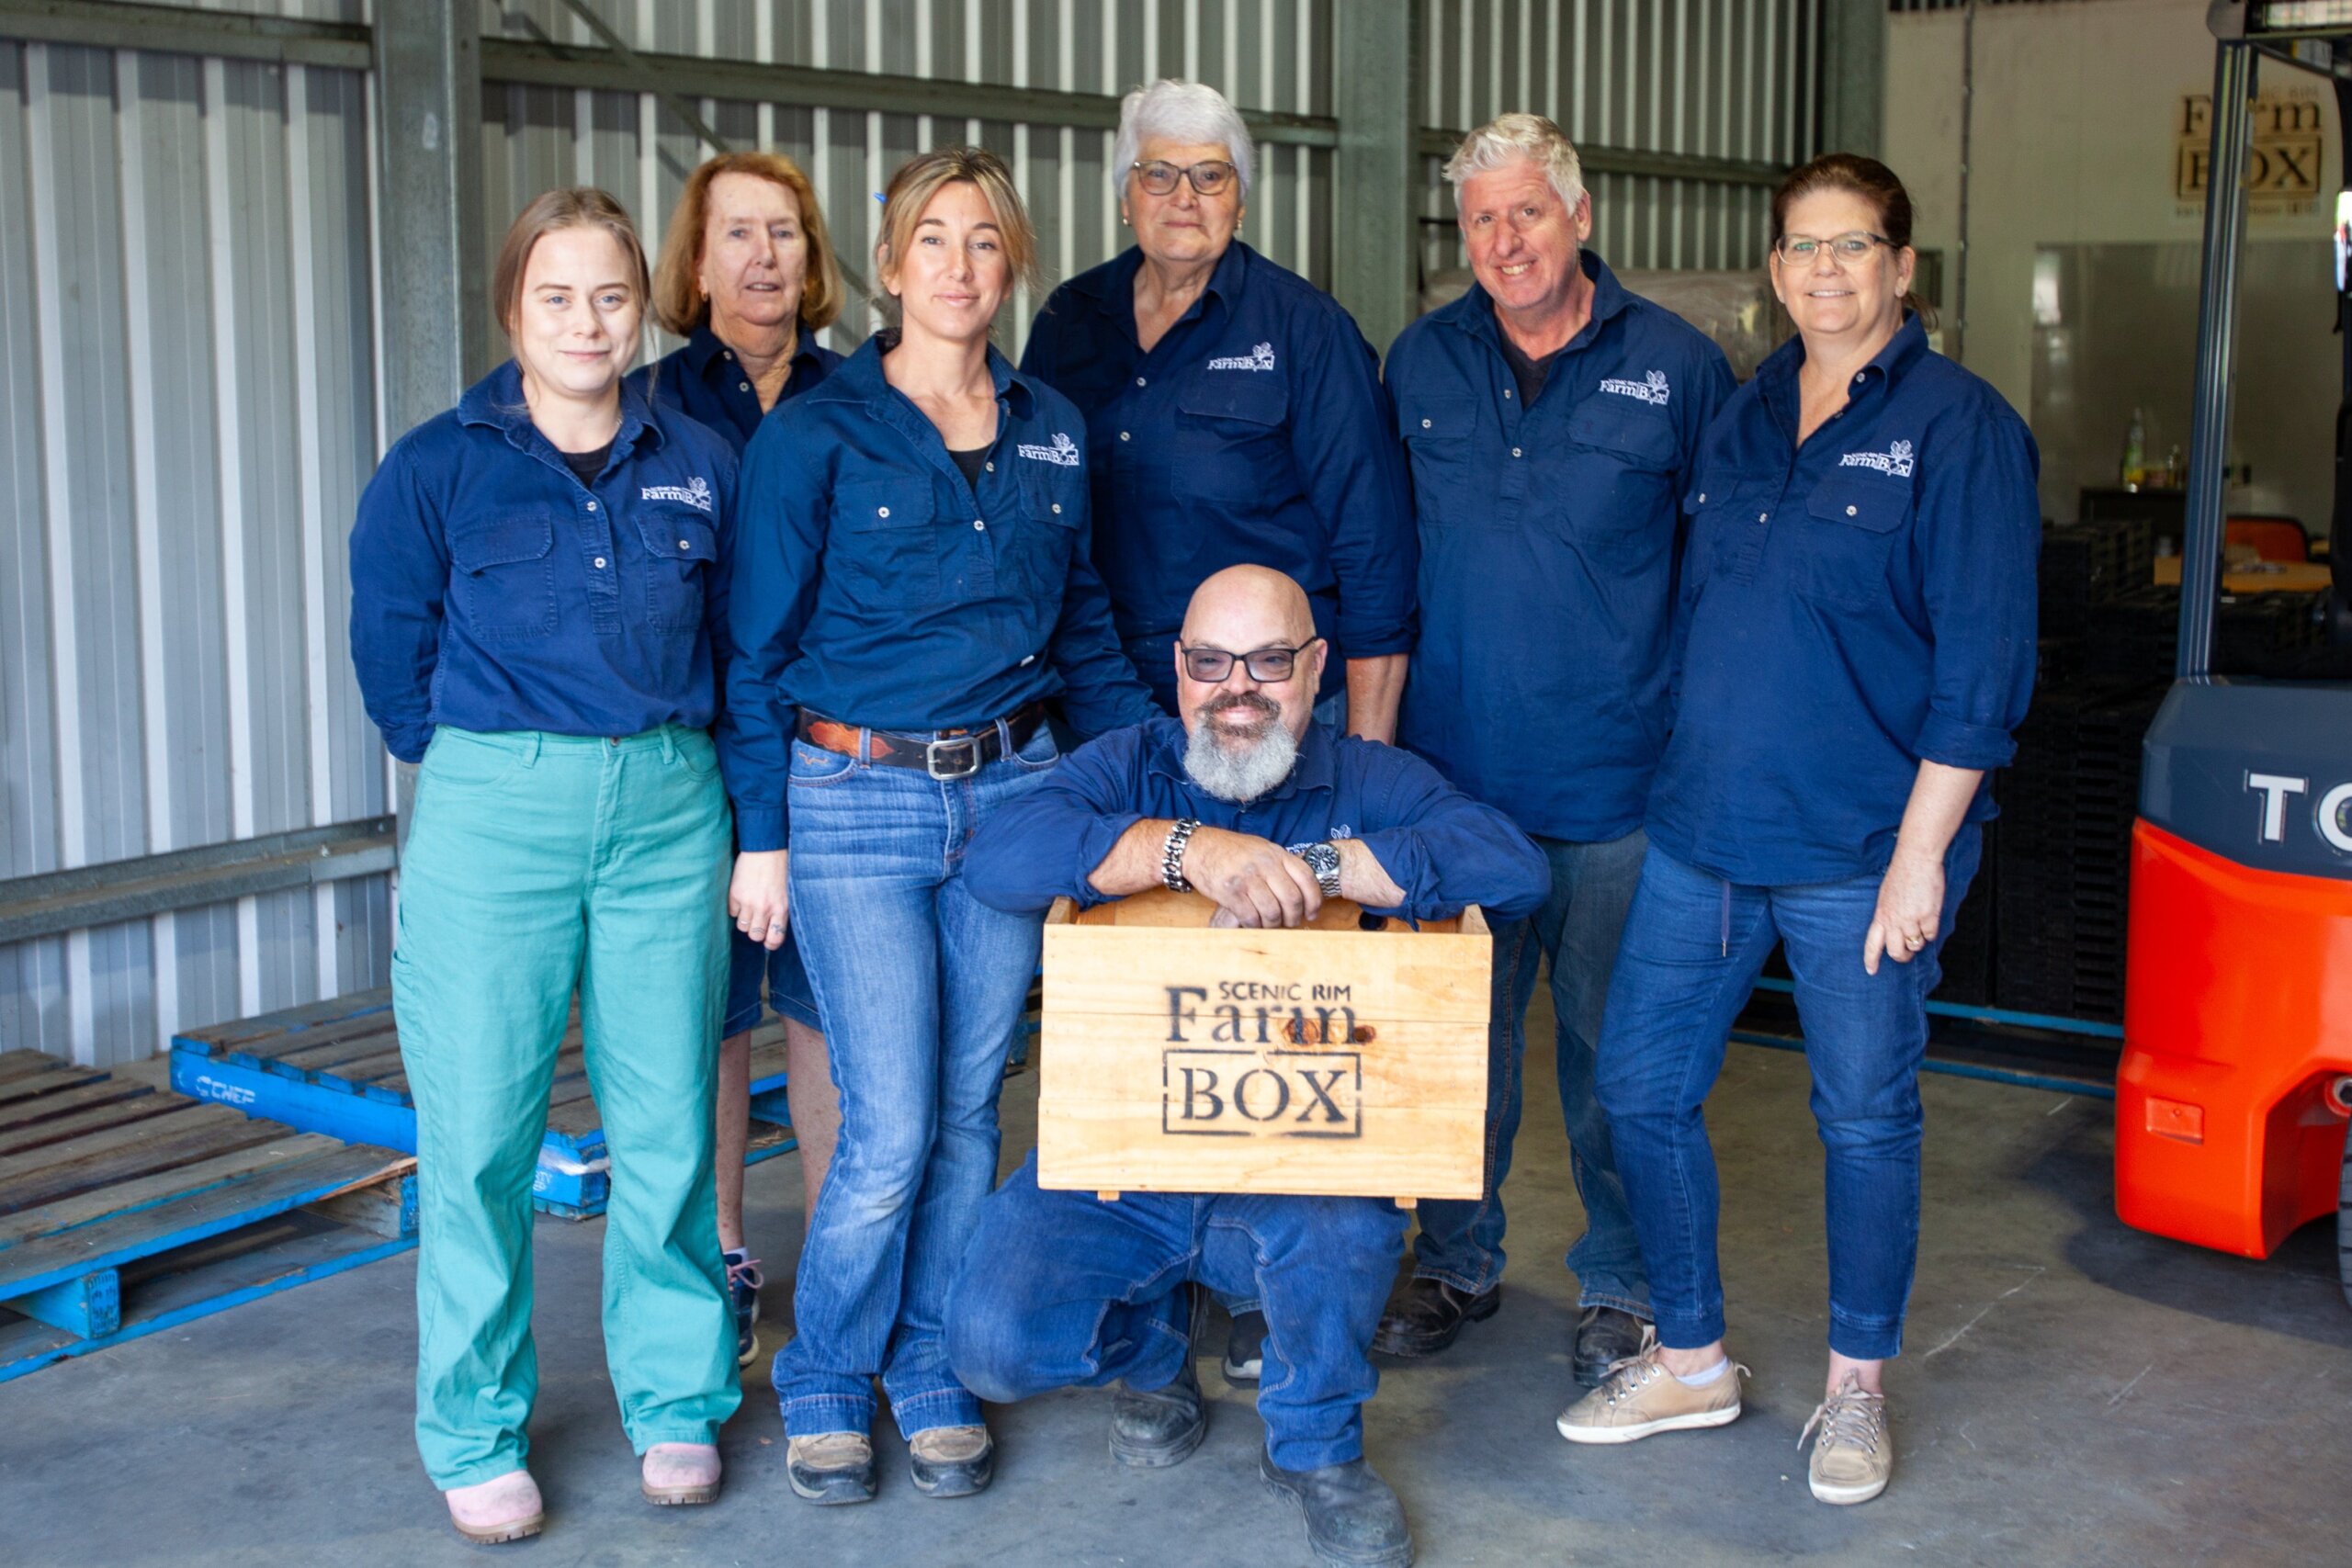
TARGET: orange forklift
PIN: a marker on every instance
(2237, 1078)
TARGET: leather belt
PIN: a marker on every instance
(942, 754)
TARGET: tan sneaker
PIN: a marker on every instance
(1639, 1397)
(1855, 1453)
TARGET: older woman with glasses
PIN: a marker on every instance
(1234, 416)
(1857, 643)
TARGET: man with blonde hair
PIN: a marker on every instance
(1552, 420)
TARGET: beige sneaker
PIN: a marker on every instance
(1639, 1397)
(1855, 1453)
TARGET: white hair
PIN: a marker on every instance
(1508, 137)
(1257, 767)
(1190, 112)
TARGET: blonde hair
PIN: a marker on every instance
(679, 303)
(1508, 137)
(923, 177)
(572, 207)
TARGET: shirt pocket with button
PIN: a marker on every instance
(1232, 438)
(1847, 536)
(1053, 503)
(887, 544)
(1616, 485)
(1437, 431)
(684, 548)
(504, 573)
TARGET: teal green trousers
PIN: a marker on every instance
(536, 865)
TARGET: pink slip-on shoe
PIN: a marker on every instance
(680, 1472)
(506, 1508)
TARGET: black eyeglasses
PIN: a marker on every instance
(1266, 665)
(1208, 178)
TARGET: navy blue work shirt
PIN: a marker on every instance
(1550, 538)
(1854, 605)
(1443, 848)
(873, 585)
(703, 381)
(491, 590)
(1254, 432)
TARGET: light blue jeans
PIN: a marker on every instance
(920, 986)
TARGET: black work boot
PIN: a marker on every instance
(1424, 1316)
(1353, 1517)
(1605, 1335)
(1152, 1428)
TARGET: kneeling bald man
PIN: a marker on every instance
(1269, 814)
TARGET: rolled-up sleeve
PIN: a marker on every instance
(1448, 851)
(400, 581)
(1979, 535)
(1046, 844)
(1344, 440)
(779, 513)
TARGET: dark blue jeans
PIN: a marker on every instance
(1578, 928)
(1694, 948)
(1062, 1288)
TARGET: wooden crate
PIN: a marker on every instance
(1332, 1059)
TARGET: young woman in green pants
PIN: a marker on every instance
(537, 589)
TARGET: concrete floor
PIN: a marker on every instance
(2075, 1392)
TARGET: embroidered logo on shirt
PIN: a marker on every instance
(1063, 453)
(1258, 358)
(695, 492)
(1896, 460)
(1650, 389)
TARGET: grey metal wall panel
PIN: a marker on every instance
(187, 412)
(1734, 79)
(1272, 54)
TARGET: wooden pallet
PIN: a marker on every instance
(334, 1067)
(124, 1210)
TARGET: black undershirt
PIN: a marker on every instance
(588, 464)
(1530, 373)
(971, 462)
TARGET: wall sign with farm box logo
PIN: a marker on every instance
(2284, 157)
(1333, 1059)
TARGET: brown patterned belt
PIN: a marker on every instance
(942, 754)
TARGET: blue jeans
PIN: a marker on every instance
(1061, 1288)
(1578, 929)
(749, 963)
(920, 986)
(1693, 947)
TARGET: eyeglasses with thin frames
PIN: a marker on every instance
(1209, 179)
(1267, 666)
(1851, 246)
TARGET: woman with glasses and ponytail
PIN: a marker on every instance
(1856, 642)
(1234, 417)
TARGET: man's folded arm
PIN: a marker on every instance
(1446, 849)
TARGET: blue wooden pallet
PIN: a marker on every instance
(126, 1209)
(334, 1067)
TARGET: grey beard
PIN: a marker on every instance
(1240, 777)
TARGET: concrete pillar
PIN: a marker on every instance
(1374, 87)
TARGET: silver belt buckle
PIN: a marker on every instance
(931, 757)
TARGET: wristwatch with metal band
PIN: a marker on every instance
(1323, 860)
(1171, 856)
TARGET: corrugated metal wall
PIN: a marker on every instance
(1722, 78)
(186, 414)
(1269, 54)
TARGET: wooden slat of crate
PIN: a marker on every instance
(254, 1033)
(15, 1065)
(146, 1106)
(102, 1090)
(1111, 1097)
(55, 1079)
(124, 1153)
(163, 1187)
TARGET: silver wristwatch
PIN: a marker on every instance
(1323, 860)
